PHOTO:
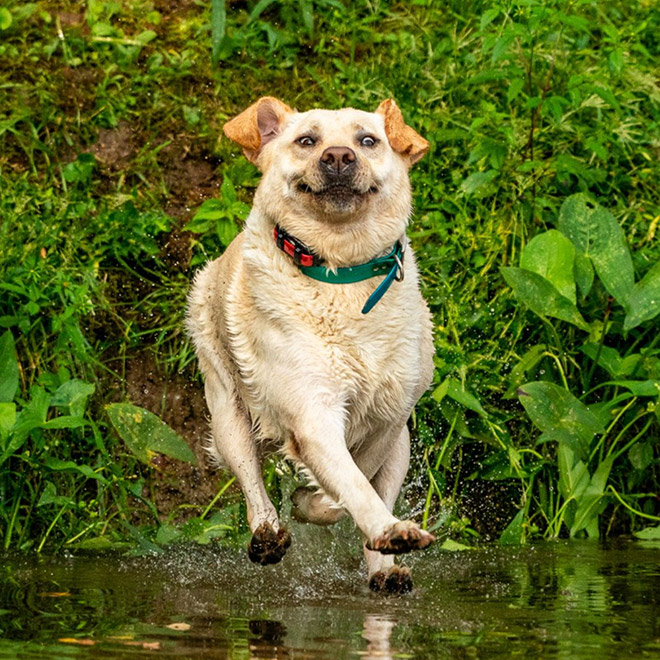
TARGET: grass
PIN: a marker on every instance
(110, 144)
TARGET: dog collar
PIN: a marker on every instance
(310, 264)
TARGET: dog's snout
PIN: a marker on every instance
(338, 160)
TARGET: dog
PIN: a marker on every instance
(311, 340)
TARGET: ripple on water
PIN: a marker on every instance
(566, 599)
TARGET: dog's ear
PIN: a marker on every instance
(401, 137)
(258, 125)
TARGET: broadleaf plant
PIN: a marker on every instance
(589, 426)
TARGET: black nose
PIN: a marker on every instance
(338, 160)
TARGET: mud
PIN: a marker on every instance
(189, 172)
(179, 400)
(77, 88)
(116, 147)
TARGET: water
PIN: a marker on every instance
(561, 600)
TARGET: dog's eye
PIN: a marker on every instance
(368, 141)
(306, 141)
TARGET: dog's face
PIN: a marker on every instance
(332, 165)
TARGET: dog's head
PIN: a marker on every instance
(335, 166)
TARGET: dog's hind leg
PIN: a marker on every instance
(310, 505)
(233, 443)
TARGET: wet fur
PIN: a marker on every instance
(291, 362)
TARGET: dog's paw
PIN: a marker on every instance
(402, 537)
(397, 580)
(268, 546)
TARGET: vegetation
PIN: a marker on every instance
(535, 220)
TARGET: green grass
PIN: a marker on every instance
(110, 141)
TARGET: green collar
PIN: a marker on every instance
(390, 265)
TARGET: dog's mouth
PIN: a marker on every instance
(339, 189)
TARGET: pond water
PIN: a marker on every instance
(559, 600)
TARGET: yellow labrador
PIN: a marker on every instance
(311, 339)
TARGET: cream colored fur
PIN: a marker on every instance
(292, 363)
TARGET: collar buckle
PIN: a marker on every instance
(296, 249)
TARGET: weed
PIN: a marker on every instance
(543, 119)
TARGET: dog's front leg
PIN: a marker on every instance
(384, 575)
(234, 444)
(320, 444)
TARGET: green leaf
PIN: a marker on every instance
(488, 17)
(573, 474)
(64, 422)
(649, 533)
(596, 233)
(441, 390)
(203, 531)
(101, 544)
(515, 88)
(218, 28)
(452, 388)
(616, 60)
(501, 47)
(146, 36)
(8, 367)
(49, 496)
(73, 395)
(228, 192)
(7, 417)
(542, 297)
(59, 465)
(167, 534)
(307, 14)
(640, 455)
(211, 209)
(80, 170)
(638, 387)
(589, 501)
(527, 362)
(608, 358)
(514, 534)
(144, 433)
(644, 300)
(258, 9)
(477, 180)
(560, 416)
(551, 255)
(227, 230)
(5, 18)
(584, 273)
(31, 417)
(465, 398)
(454, 546)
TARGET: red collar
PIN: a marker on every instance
(296, 249)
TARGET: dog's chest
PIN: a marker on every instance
(371, 361)
(299, 344)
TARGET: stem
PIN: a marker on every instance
(610, 427)
(600, 344)
(217, 497)
(641, 514)
(51, 526)
(633, 441)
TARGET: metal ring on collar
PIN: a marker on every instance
(400, 272)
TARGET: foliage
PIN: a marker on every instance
(590, 436)
(535, 220)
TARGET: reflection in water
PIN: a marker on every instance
(267, 639)
(377, 631)
(561, 601)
